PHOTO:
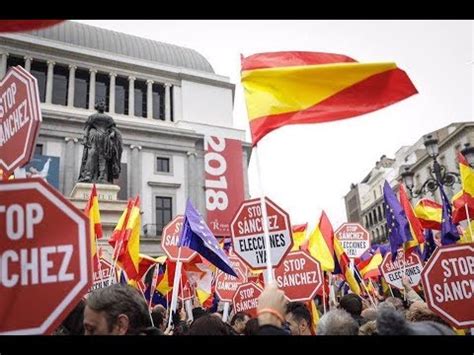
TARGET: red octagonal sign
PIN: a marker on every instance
(248, 240)
(299, 276)
(354, 238)
(246, 298)
(170, 241)
(408, 263)
(448, 281)
(227, 284)
(20, 118)
(44, 257)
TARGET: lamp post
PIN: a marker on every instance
(439, 174)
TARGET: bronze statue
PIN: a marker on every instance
(102, 148)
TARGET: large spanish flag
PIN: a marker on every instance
(429, 213)
(284, 88)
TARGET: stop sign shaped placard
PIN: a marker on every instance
(226, 284)
(448, 281)
(20, 118)
(354, 238)
(392, 271)
(105, 276)
(246, 298)
(248, 240)
(170, 241)
(45, 257)
(299, 276)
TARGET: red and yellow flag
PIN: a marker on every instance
(370, 268)
(415, 225)
(95, 227)
(283, 88)
(299, 235)
(429, 214)
(321, 243)
(464, 198)
(344, 266)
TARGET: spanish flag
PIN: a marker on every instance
(299, 235)
(93, 213)
(370, 268)
(465, 197)
(321, 243)
(415, 225)
(284, 88)
(342, 266)
(127, 235)
(429, 214)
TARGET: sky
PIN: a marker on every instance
(308, 168)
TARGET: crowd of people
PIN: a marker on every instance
(121, 310)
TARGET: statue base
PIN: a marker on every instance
(110, 208)
(105, 192)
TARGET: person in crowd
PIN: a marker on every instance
(238, 322)
(159, 317)
(270, 310)
(251, 327)
(337, 322)
(419, 312)
(115, 310)
(369, 328)
(369, 314)
(198, 312)
(392, 322)
(209, 325)
(352, 304)
(74, 322)
(298, 318)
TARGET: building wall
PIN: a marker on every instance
(206, 104)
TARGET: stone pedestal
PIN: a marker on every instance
(110, 208)
(110, 211)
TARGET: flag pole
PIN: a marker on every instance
(365, 287)
(324, 291)
(153, 284)
(404, 274)
(174, 296)
(263, 206)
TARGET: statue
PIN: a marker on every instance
(102, 148)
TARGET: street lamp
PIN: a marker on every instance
(439, 174)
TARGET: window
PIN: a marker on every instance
(121, 95)
(158, 97)
(102, 85)
(39, 149)
(375, 194)
(379, 209)
(370, 219)
(60, 84)
(13, 61)
(163, 212)
(171, 103)
(40, 70)
(140, 98)
(81, 88)
(163, 165)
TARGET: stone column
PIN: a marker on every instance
(49, 82)
(135, 169)
(70, 89)
(92, 72)
(149, 99)
(70, 175)
(167, 102)
(3, 64)
(112, 93)
(177, 104)
(131, 96)
(28, 61)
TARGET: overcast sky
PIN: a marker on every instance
(307, 168)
